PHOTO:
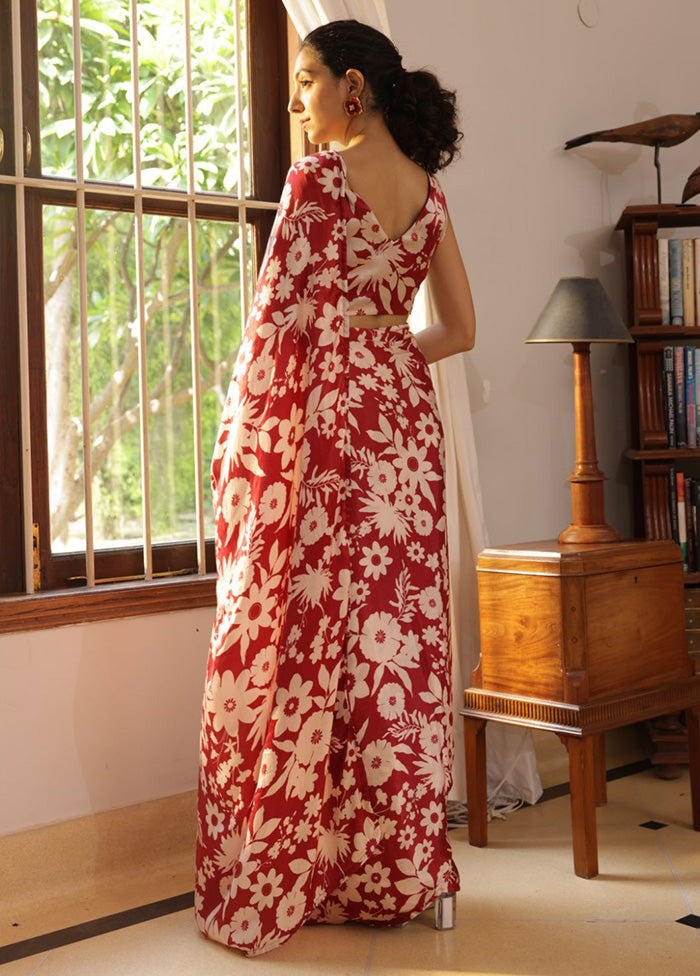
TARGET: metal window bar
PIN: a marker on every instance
(27, 509)
(141, 299)
(80, 186)
(242, 215)
(152, 194)
(194, 297)
(82, 292)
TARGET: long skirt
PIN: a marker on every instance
(376, 814)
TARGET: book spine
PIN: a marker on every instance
(688, 276)
(691, 424)
(696, 249)
(668, 395)
(696, 357)
(682, 530)
(695, 502)
(664, 292)
(673, 503)
(690, 538)
(679, 396)
(675, 281)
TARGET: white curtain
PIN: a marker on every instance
(512, 768)
(308, 14)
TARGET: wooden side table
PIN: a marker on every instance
(579, 639)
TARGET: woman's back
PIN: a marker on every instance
(393, 186)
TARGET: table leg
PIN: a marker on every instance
(692, 722)
(475, 752)
(583, 822)
(601, 782)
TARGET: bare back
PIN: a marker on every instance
(395, 189)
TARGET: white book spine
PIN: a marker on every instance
(664, 294)
(682, 533)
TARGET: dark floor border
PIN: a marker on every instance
(97, 926)
(619, 772)
(156, 909)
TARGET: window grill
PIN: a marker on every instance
(205, 211)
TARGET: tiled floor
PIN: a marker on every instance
(521, 911)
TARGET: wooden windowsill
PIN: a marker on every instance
(59, 608)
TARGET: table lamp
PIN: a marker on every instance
(579, 311)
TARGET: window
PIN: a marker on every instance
(141, 183)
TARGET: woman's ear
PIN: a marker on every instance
(355, 81)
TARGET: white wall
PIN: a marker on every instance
(529, 75)
(106, 714)
(99, 715)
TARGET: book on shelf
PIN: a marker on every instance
(690, 422)
(684, 509)
(689, 536)
(688, 281)
(682, 525)
(680, 387)
(675, 280)
(679, 396)
(664, 293)
(696, 357)
(679, 280)
(669, 395)
(695, 521)
(673, 503)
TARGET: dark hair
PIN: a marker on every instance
(419, 113)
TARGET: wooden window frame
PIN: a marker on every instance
(53, 605)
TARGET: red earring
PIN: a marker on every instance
(353, 106)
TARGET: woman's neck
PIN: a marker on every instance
(373, 141)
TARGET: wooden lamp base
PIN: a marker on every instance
(589, 533)
(588, 523)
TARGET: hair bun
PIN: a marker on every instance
(419, 113)
(422, 117)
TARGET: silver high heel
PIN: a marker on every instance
(445, 910)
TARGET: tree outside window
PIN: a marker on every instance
(235, 160)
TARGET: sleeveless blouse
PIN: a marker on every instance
(385, 273)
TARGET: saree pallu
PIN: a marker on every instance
(326, 724)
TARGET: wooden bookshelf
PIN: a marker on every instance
(662, 453)
(650, 451)
(651, 456)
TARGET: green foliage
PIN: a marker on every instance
(108, 146)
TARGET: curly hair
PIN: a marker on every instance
(419, 113)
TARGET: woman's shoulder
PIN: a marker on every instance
(315, 164)
(317, 175)
(436, 189)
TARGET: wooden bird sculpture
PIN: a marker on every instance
(662, 131)
(692, 185)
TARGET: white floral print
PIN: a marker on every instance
(326, 741)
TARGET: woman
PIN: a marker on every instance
(327, 720)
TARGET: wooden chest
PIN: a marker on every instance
(579, 640)
(581, 624)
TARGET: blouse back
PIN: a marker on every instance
(384, 274)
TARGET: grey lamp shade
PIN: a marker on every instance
(579, 310)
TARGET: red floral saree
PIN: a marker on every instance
(326, 740)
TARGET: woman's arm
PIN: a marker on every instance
(454, 330)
